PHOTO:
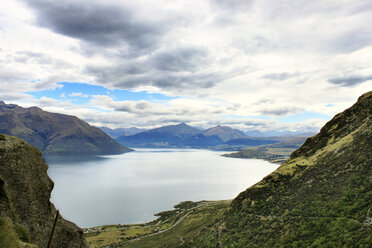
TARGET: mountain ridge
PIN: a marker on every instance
(55, 133)
(183, 135)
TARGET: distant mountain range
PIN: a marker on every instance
(56, 133)
(167, 136)
(183, 135)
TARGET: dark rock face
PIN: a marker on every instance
(25, 190)
(56, 133)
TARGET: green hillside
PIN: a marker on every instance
(320, 197)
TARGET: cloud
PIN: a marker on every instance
(180, 59)
(280, 111)
(26, 57)
(168, 77)
(77, 94)
(173, 109)
(349, 81)
(97, 23)
(281, 76)
(13, 75)
(133, 107)
(231, 58)
(352, 40)
(236, 5)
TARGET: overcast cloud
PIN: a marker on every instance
(349, 81)
(227, 62)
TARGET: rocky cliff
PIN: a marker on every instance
(25, 190)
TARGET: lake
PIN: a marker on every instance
(132, 187)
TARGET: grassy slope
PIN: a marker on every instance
(189, 227)
(320, 197)
(13, 235)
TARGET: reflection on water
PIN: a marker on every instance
(132, 187)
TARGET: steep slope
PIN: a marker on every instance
(320, 197)
(25, 190)
(160, 137)
(55, 133)
(225, 133)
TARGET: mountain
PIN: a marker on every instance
(320, 197)
(26, 212)
(200, 140)
(56, 133)
(117, 132)
(165, 136)
(183, 135)
(225, 133)
(275, 153)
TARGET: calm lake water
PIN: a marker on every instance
(132, 187)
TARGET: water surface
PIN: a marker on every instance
(132, 187)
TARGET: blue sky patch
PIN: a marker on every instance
(81, 93)
(330, 105)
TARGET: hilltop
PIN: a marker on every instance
(56, 133)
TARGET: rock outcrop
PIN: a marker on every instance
(25, 190)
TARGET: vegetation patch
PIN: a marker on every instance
(187, 219)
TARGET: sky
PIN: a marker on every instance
(252, 65)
